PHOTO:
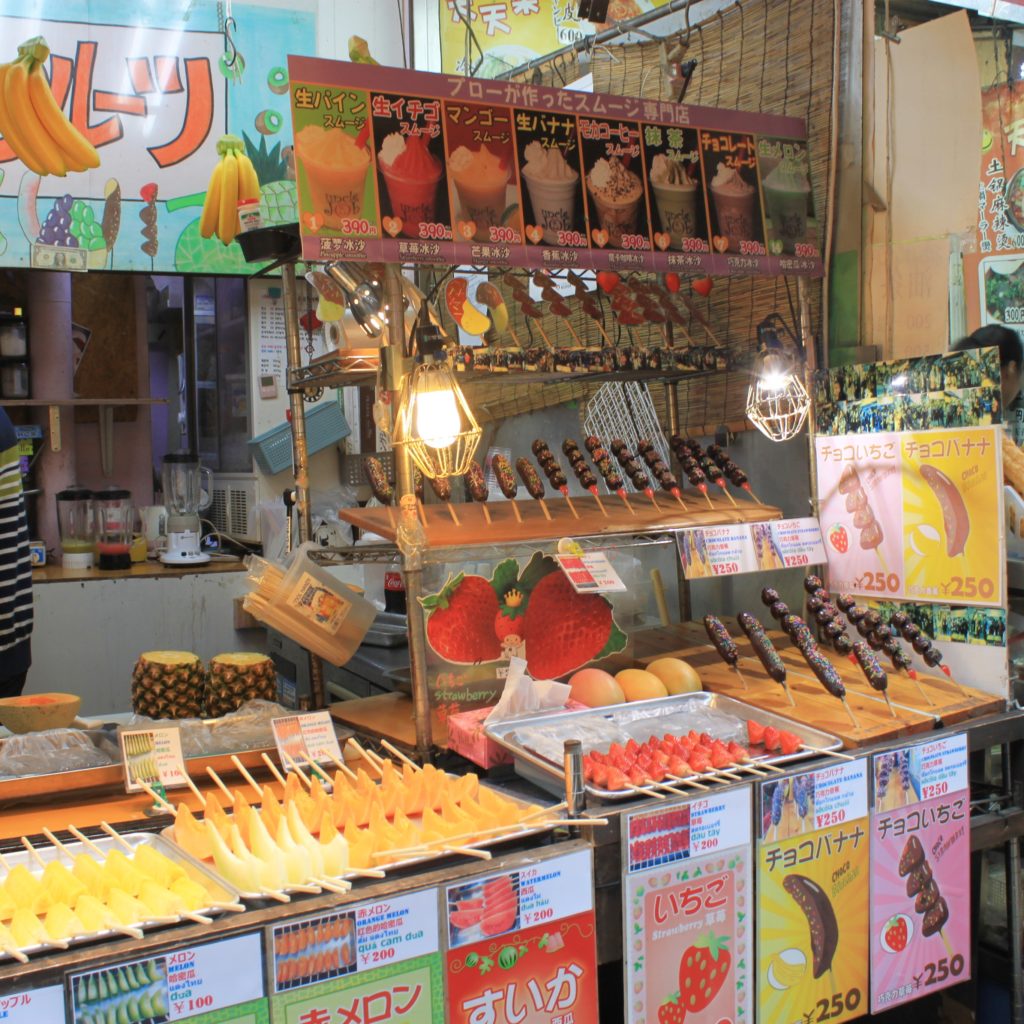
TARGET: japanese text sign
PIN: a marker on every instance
(413, 167)
(812, 895)
(916, 515)
(32, 1005)
(522, 945)
(370, 962)
(920, 871)
(710, 551)
(687, 941)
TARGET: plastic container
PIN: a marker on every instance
(13, 337)
(325, 425)
(249, 218)
(307, 604)
(14, 380)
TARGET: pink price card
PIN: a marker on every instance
(920, 872)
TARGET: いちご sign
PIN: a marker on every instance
(687, 927)
(920, 871)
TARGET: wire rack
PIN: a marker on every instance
(625, 411)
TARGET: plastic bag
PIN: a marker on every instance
(523, 695)
(53, 751)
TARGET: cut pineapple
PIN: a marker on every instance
(237, 678)
(168, 684)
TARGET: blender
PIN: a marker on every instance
(185, 498)
(77, 528)
(114, 521)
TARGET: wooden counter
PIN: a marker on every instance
(139, 571)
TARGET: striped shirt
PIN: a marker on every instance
(15, 566)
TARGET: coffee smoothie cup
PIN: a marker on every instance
(675, 196)
(411, 173)
(786, 191)
(735, 210)
(551, 183)
(481, 183)
(335, 169)
(615, 193)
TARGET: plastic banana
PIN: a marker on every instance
(233, 180)
(31, 121)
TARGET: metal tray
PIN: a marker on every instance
(222, 892)
(388, 629)
(669, 713)
(396, 865)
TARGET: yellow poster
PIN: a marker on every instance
(812, 897)
(952, 496)
(512, 32)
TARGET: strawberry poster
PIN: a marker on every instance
(522, 945)
(812, 896)
(909, 515)
(687, 954)
(476, 623)
(375, 961)
(920, 871)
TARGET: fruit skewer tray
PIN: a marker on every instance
(532, 524)
(535, 741)
(197, 872)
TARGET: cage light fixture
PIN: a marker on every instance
(777, 401)
(434, 421)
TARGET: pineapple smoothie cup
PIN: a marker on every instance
(335, 169)
(481, 183)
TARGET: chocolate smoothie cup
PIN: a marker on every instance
(736, 215)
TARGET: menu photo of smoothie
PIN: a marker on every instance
(616, 197)
(332, 157)
(410, 167)
(730, 169)
(482, 180)
(788, 202)
(549, 162)
(678, 216)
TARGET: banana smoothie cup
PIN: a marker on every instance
(335, 172)
(551, 183)
(481, 184)
(615, 192)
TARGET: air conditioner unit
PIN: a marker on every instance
(233, 510)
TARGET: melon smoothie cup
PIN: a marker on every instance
(551, 183)
(786, 190)
(616, 193)
(734, 206)
(481, 183)
(411, 173)
(335, 172)
(675, 195)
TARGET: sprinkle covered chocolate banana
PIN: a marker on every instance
(824, 670)
(763, 647)
(724, 643)
(873, 671)
(504, 475)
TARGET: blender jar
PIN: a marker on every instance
(114, 519)
(77, 527)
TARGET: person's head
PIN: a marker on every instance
(1011, 355)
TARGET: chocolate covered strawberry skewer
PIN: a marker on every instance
(579, 466)
(476, 487)
(631, 467)
(533, 484)
(507, 482)
(865, 621)
(553, 471)
(604, 466)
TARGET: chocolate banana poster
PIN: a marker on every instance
(920, 871)
(425, 168)
(914, 515)
(687, 943)
(812, 896)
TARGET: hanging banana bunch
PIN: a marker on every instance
(233, 179)
(32, 123)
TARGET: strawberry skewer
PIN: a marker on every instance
(553, 471)
(579, 466)
(604, 466)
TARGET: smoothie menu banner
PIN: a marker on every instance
(375, 961)
(812, 896)
(920, 872)
(687, 942)
(422, 168)
(914, 515)
(522, 945)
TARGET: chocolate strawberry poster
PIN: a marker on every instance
(920, 871)
(812, 896)
(475, 623)
(522, 944)
(687, 917)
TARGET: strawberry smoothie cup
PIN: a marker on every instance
(411, 173)
(335, 169)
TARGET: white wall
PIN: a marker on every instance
(376, 21)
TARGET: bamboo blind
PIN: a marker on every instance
(771, 56)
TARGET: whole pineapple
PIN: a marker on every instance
(278, 201)
(237, 678)
(168, 684)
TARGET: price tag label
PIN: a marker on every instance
(153, 756)
(797, 542)
(591, 573)
(309, 736)
(713, 551)
(32, 1006)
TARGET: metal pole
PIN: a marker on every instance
(413, 575)
(300, 452)
(810, 365)
(672, 407)
(1016, 910)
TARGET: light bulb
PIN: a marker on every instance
(437, 417)
(776, 380)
